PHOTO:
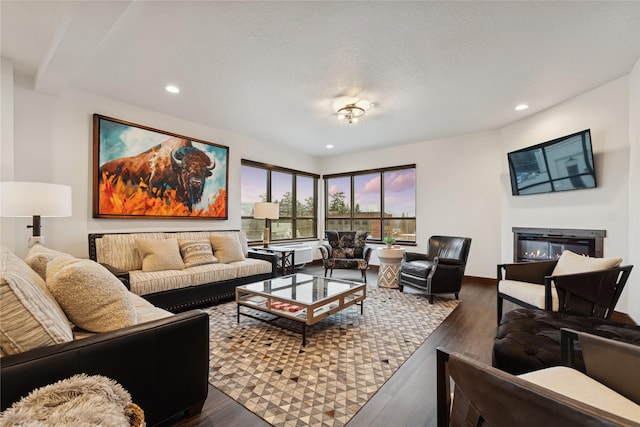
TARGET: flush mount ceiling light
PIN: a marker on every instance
(522, 107)
(172, 89)
(351, 113)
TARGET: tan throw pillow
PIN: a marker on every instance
(30, 317)
(92, 297)
(158, 255)
(572, 263)
(196, 252)
(226, 247)
(39, 256)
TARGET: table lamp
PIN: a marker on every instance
(266, 211)
(36, 200)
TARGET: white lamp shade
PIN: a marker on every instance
(266, 210)
(26, 199)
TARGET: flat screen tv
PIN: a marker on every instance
(559, 165)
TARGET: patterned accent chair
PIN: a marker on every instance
(440, 270)
(346, 249)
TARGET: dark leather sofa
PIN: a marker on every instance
(164, 364)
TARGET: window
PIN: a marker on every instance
(294, 191)
(381, 201)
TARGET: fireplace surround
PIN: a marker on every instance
(538, 244)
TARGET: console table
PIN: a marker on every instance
(286, 258)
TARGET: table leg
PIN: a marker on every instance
(238, 315)
(304, 334)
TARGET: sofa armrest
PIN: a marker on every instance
(530, 272)
(266, 256)
(122, 275)
(164, 364)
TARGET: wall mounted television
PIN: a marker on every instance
(562, 164)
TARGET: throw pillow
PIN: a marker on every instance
(93, 298)
(196, 252)
(572, 263)
(39, 256)
(30, 317)
(226, 247)
(158, 255)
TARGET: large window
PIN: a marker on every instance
(294, 191)
(381, 201)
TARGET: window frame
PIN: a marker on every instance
(352, 216)
(294, 218)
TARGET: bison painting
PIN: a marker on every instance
(172, 165)
(149, 173)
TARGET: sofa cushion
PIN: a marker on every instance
(209, 273)
(250, 267)
(39, 256)
(531, 293)
(92, 297)
(158, 255)
(120, 251)
(226, 247)
(149, 282)
(572, 263)
(30, 317)
(196, 252)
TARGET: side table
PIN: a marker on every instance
(390, 259)
(286, 258)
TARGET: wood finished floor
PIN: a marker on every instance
(408, 398)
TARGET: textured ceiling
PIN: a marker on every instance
(278, 71)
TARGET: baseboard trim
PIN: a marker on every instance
(488, 281)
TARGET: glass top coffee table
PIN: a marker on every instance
(302, 298)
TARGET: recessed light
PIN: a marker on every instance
(521, 107)
(329, 146)
(172, 89)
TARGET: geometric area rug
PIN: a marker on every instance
(348, 357)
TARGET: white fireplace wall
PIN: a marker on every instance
(605, 111)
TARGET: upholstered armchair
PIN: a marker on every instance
(590, 286)
(346, 249)
(440, 270)
(606, 393)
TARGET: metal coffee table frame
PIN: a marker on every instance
(318, 297)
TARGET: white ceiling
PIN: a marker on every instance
(278, 71)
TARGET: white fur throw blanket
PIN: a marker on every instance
(81, 400)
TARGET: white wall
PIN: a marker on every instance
(633, 285)
(458, 190)
(53, 143)
(605, 111)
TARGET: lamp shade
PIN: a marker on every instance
(266, 210)
(28, 199)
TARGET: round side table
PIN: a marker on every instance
(389, 266)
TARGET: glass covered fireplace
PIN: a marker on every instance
(538, 244)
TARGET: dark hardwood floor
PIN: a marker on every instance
(408, 398)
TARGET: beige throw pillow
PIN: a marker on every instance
(196, 252)
(226, 247)
(158, 255)
(92, 297)
(572, 263)
(30, 317)
(39, 256)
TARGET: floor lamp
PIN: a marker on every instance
(266, 211)
(36, 200)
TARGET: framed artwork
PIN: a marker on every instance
(141, 172)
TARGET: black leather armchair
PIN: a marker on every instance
(440, 270)
(164, 364)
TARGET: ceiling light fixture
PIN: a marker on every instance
(329, 146)
(351, 113)
(172, 89)
(521, 107)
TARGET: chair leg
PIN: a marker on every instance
(499, 305)
(325, 272)
(430, 298)
(456, 295)
(364, 275)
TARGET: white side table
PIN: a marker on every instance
(390, 259)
